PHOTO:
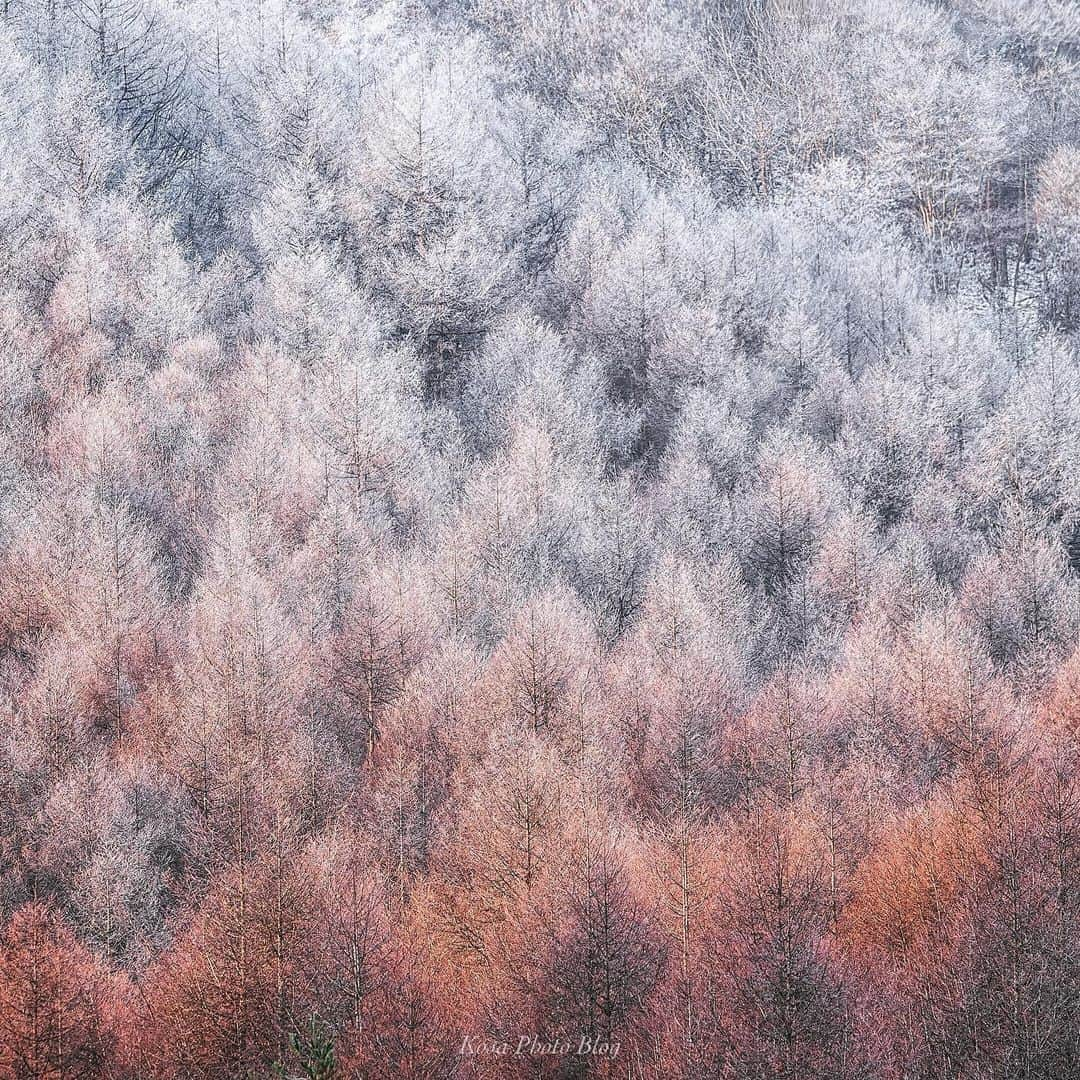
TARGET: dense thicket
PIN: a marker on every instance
(540, 519)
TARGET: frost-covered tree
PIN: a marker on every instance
(539, 518)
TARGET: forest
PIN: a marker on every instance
(539, 539)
